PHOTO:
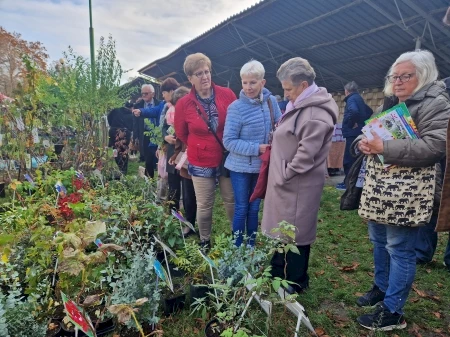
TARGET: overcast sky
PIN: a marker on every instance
(144, 30)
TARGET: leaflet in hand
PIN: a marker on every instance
(394, 123)
(171, 130)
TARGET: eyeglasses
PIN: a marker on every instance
(200, 74)
(146, 93)
(403, 78)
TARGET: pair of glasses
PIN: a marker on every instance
(402, 78)
(145, 93)
(200, 74)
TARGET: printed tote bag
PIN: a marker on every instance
(400, 196)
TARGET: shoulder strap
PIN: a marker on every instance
(210, 129)
(272, 118)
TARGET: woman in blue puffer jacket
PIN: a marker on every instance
(246, 136)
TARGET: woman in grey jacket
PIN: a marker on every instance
(246, 136)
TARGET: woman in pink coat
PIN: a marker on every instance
(297, 168)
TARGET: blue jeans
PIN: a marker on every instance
(245, 212)
(426, 241)
(395, 262)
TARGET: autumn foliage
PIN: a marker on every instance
(12, 68)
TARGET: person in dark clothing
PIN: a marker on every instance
(138, 130)
(189, 198)
(121, 124)
(427, 237)
(151, 109)
(355, 113)
(173, 176)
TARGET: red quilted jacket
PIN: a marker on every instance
(203, 149)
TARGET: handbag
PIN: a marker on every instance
(400, 196)
(352, 195)
(224, 172)
(181, 156)
(261, 184)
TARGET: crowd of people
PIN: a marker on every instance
(212, 138)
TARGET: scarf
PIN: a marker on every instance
(313, 88)
(209, 104)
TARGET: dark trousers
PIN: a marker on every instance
(348, 158)
(122, 162)
(426, 241)
(296, 268)
(174, 180)
(189, 200)
(150, 160)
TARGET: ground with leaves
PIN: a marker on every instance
(341, 268)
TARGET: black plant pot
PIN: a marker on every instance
(103, 328)
(175, 271)
(56, 331)
(198, 291)
(58, 148)
(2, 190)
(174, 303)
(213, 328)
(66, 332)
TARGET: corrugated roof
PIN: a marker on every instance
(343, 39)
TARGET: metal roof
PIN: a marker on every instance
(344, 40)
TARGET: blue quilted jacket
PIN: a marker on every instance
(247, 126)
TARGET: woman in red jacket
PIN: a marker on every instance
(199, 115)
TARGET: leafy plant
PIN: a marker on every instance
(135, 282)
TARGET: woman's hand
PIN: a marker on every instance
(372, 146)
(136, 112)
(170, 139)
(172, 162)
(263, 148)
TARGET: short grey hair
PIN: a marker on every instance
(426, 69)
(253, 68)
(296, 70)
(148, 86)
(179, 93)
(351, 86)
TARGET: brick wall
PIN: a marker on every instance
(373, 97)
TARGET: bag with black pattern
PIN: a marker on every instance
(399, 196)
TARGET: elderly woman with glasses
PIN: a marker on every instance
(246, 136)
(411, 80)
(199, 122)
(300, 147)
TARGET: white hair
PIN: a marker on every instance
(148, 86)
(253, 68)
(426, 69)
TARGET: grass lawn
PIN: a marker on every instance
(341, 268)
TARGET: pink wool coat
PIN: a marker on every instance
(297, 168)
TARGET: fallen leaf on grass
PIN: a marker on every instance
(414, 331)
(437, 314)
(414, 299)
(440, 285)
(426, 295)
(320, 332)
(370, 274)
(318, 273)
(339, 321)
(350, 268)
(428, 271)
(359, 294)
